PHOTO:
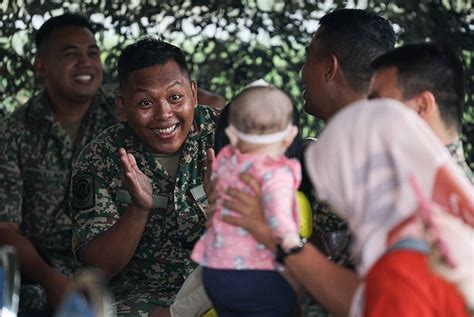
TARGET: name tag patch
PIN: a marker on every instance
(159, 201)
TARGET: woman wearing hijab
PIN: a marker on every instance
(408, 205)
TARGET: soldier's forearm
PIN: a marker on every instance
(330, 284)
(112, 250)
(31, 263)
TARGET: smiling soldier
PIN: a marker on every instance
(138, 201)
(38, 143)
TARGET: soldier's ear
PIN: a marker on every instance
(119, 102)
(332, 67)
(425, 105)
(194, 91)
(38, 65)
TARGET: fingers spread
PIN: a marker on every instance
(236, 206)
(241, 196)
(236, 221)
(133, 163)
(124, 158)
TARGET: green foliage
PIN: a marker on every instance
(229, 43)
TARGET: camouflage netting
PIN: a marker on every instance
(229, 43)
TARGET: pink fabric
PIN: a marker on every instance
(225, 246)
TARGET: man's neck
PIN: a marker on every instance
(445, 134)
(68, 111)
(345, 98)
(449, 138)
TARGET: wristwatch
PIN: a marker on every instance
(281, 253)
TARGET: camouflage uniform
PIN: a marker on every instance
(161, 261)
(325, 221)
(36, 157)
(457, 153)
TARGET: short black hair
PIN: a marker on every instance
(146, 52)
(433, 67)
(66, 19)
(356, 37)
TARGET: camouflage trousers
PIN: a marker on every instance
(140, 306)
(139, 300)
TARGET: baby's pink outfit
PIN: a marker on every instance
(225, 246)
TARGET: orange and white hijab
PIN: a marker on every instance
(382, 169)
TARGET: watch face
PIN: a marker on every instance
(297, 248)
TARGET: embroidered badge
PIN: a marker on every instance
(83, 191)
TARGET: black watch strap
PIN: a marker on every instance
(281, 254)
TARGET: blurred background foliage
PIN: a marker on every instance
(229, 43)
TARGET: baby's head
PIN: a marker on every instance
(260, 120)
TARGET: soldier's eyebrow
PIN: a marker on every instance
(69, 47)
(175, 83)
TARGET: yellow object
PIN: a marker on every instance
(306, 215)
(210, 313)
(306, 229)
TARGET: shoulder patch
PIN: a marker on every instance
(83, 195)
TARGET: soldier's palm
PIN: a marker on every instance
(137, 182)
(141, 188)
(143, 185)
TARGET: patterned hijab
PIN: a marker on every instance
(383, 170)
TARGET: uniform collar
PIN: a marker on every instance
(42, 106)
(201, 124)
(455, 148)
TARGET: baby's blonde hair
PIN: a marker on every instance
(261, 110)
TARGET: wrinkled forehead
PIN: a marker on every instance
(159, 77)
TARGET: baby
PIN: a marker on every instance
(240, 275)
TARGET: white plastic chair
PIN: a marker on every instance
(9, 282)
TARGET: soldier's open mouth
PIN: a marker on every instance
(166, 132)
